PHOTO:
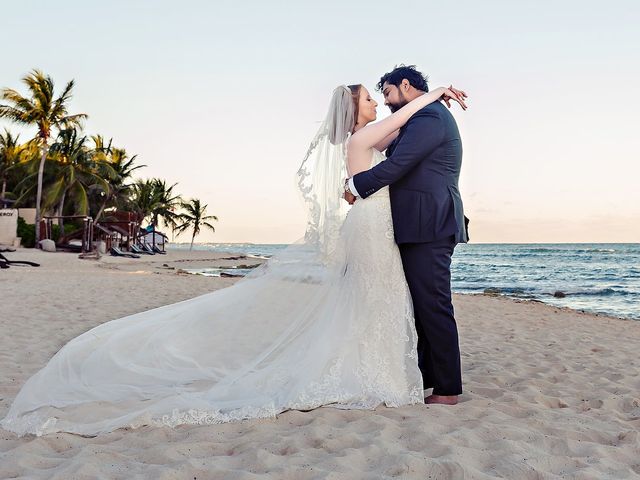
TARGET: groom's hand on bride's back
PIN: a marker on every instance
(349, 197)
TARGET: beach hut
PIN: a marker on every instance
(153, 237)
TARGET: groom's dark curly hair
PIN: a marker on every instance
(416, 79)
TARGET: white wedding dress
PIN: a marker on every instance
(290, 336)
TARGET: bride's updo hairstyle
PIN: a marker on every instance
(343, 113)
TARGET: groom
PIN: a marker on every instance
(422, 171)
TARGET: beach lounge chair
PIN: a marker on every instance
(17, 262)
(147, 248)
(116, 252)
(137, 249)
(157, 250)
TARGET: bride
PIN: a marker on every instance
(326, 322)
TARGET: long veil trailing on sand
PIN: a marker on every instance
(288, 336)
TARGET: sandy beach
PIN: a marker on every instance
(549, 392)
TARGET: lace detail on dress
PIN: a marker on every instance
(378, 276)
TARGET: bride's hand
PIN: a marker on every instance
(461, 93)
(454, 94)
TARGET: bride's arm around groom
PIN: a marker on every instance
(372, 134)
(419, 123)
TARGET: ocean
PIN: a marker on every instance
(596, 278)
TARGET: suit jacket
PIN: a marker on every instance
(422, 170)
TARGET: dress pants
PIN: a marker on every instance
(428, 273)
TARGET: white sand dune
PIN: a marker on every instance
(549, 393)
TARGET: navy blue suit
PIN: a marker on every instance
(422, 170)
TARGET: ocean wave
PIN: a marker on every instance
(508, 250)
(455, 279)
(220, 271)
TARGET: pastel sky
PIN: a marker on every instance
(224, 97)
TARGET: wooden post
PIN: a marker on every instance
(48, 228)
(84, 234)
(90, 234)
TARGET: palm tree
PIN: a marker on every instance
(11, 153)
(166, 205)
(119, 188)
(141, 200)
(75, 171)
(153, 199)
(195, 218)
(43, 111)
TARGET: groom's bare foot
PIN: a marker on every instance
(442, 399)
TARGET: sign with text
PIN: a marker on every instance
(8, 225)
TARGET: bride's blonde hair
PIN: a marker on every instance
(355, 96)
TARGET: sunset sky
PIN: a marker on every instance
(224, 97)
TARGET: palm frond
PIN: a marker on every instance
(208, 225)
(20, 102)
(81, 199)
(14, 114)
(54, 193)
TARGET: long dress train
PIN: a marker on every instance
(295, 335)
